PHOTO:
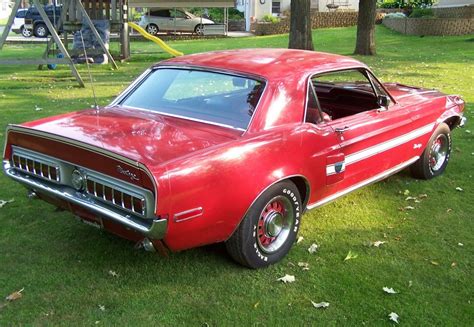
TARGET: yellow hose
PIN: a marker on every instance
(155, 39)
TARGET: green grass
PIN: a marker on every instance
(63, 265)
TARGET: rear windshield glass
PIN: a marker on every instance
(200, 95)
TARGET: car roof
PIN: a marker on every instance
(269, 63)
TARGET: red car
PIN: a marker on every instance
(233, 147)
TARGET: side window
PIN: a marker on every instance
(177, 14)
(344, 93)
(21, 14)
(313, 115)
(160, 13)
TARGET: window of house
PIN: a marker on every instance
(276, 7)
(344, 93)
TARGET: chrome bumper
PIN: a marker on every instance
(152, 228)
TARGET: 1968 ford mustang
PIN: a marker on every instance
(232, 147)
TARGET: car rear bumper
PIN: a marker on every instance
(152, 228)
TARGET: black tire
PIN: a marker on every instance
(435, 157)
(269, 229)
(40, 30)
(152, 29)
(25, 32)
(199, 29)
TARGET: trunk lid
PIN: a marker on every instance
(143, 136)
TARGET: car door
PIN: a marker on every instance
(180, 20)
(162, 18)
(374, 140)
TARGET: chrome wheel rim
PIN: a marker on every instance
(151, 29)
(438, 152)
(274, 224)
(199, 30)
(26, 32)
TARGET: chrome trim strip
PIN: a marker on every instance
(199, 212)
(155, 229)
(124, 93)
(65, 140)
(368, 181)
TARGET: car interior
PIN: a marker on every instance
(340, 94)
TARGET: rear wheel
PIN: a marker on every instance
(40, 30)
(152, 29)
(435, 157)
(269, 229)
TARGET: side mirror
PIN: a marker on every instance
(383, 101)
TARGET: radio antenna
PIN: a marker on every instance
(96, 106)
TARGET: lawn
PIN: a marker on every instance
(65, 267)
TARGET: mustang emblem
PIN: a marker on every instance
(128, 173)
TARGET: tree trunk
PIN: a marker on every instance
(365, 44)
(300, 25)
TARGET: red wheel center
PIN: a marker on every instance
(270, 223)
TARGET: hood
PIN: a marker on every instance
(405, 94)
(143, 136)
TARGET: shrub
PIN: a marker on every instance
(421, 12)
(268, 18)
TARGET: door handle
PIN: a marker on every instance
(341, 130)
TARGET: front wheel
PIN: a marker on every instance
(269, 228)
(199, 30)
(435, 157)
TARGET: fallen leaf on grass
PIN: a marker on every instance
(449, 210)
(459, 189)
(113, 273)
(299, 240)
(101, 307)
(4, 203)
(397, 238)
(378, 243)
(393, 317)
(320, 305)
(303, 265)
(422, 196)
(434, 263)
(350, 255)
(389, 290)
(313, 248)
(287, 279)
(406, 192)
(468, 131)
(256, 305)
(409, 208)
(453, 264)
(15, 295)
(410, 283)
(460, 244)
(410, 198)
(38, 108)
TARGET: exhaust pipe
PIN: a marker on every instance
(32, 194)
(147, 245)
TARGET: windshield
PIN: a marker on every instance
(212, 97)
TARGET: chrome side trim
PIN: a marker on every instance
(419, 93)
(65, 140)
(155, 229)
(196, 212)
(368, 181)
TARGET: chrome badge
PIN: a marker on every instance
(78, 180)
(128, 173)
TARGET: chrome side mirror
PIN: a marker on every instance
(383, 101)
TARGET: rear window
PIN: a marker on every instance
(211, 97)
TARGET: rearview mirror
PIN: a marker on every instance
(383, 100)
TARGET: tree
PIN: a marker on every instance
(365, 44)
(300, 25)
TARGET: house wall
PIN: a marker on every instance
(5, 8)
(454, 3)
